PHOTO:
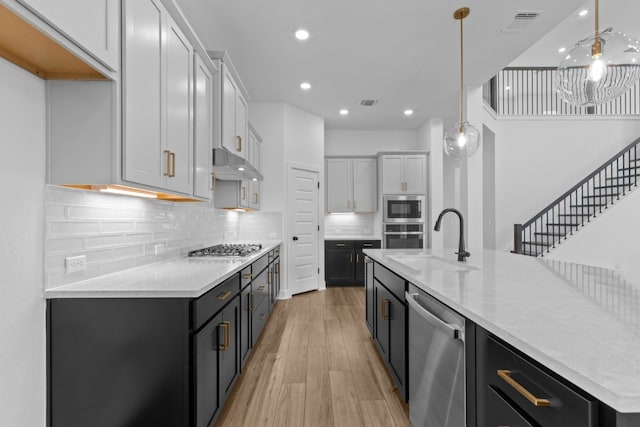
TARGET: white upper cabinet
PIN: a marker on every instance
(352, 185)
(255, 158)
(91, 24)
(404, 173)
(365, 185)
(234, 112)
(157, 100)
(204, 179)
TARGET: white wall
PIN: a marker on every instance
(341, 142)
(429, 137)
(22, 307)
(610, 240)
(290, 135)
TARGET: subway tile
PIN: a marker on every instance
(128, 251)
(88, 212)
(104, 241)
(61, 228)
(138, 237)
(63, 244)
(116, 227)
(55, 211)
(116, 265)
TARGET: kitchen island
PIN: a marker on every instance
(581, 323)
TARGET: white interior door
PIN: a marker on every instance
(303, 239)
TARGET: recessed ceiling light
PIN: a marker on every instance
(302, 34)
(305, 85)
(240, 168)
(583, 12)
(562, 49)
(344, 112)
(408, 112)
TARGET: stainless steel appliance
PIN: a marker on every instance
(227, 250)
(403, 236)
(404, 209)
(436, 362)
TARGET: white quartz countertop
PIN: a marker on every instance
(581, 322)
(176, 278)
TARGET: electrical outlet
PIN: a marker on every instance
(160, 248)
(75, 263)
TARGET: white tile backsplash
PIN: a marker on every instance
(121, 232)
(336, 225)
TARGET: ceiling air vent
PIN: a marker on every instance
(368, 102)
(520, 22)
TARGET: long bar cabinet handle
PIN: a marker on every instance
(505, 374)
(173, 164)
(238, 143)
(168, 172)
(213, 181)
(223, 296)
(383, 308)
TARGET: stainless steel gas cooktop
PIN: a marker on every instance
(227, 250)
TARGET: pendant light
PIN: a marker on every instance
(599, 68)
(463, 139)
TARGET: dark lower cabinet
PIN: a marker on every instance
(228, 349)
(389, 332)
(245, 324)
(369, 295)
(344, 261)
(516, 391)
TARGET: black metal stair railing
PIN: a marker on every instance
(580, 204)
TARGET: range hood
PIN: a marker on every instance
(228, 166)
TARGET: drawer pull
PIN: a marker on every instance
(340, 245)
(261, 288)
(262, 316)
(383, 308)
(247, 276)
(226, 329)
(506, 376)
(367, 245)
(270, 281)
(223, 296)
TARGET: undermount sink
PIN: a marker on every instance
(430, 262)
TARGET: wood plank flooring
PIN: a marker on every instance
(316, 365)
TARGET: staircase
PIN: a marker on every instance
(578, 206)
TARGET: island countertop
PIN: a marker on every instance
(581, 322)
(182, 277)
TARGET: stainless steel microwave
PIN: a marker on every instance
(404, 209)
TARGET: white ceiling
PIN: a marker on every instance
(404, 53)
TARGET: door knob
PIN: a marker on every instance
(295, 238)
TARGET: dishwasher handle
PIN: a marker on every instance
(453, 331)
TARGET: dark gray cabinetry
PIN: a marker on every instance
(228, 351)
(390, 323)
(344, 261)
(369, 297)
(274, 276)
(245, 324)
(514, 390)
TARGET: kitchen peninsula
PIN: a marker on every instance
(579, 326)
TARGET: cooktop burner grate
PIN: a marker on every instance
(227, 250)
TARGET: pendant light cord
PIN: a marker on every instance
(597, 19)
(462, 69)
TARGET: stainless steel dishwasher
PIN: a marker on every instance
(436, 362)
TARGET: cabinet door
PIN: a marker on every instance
(244, 196)
(415, 174)
(206, 343)
(242, 124)
(339, 266)
(254, 195)
(359, 267)
(229, 89)
(365, 185)
(339, 185)
(392, 174)
(144, 161)
(381, 332)
(397, 342)
(203, 130)
(369, 297)
(91, 24)
(245, 324)
(229, 363)
(178, 112)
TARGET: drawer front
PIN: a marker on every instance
(258, 320)
(339, 244)
(209, 304)
(390, 280)
(245, 277)
(566, 406)
(259, 265)
(260, 287)
(501, 413)
(273, 254)
(368, 244)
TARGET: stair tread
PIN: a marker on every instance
(573, 214)
(542, 233)
(601, 195)
(556, 224)
(612, 186)
(590, 205)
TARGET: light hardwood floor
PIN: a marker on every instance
(316, 365)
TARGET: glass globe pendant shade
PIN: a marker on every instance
(461, 141)
(599, 68)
